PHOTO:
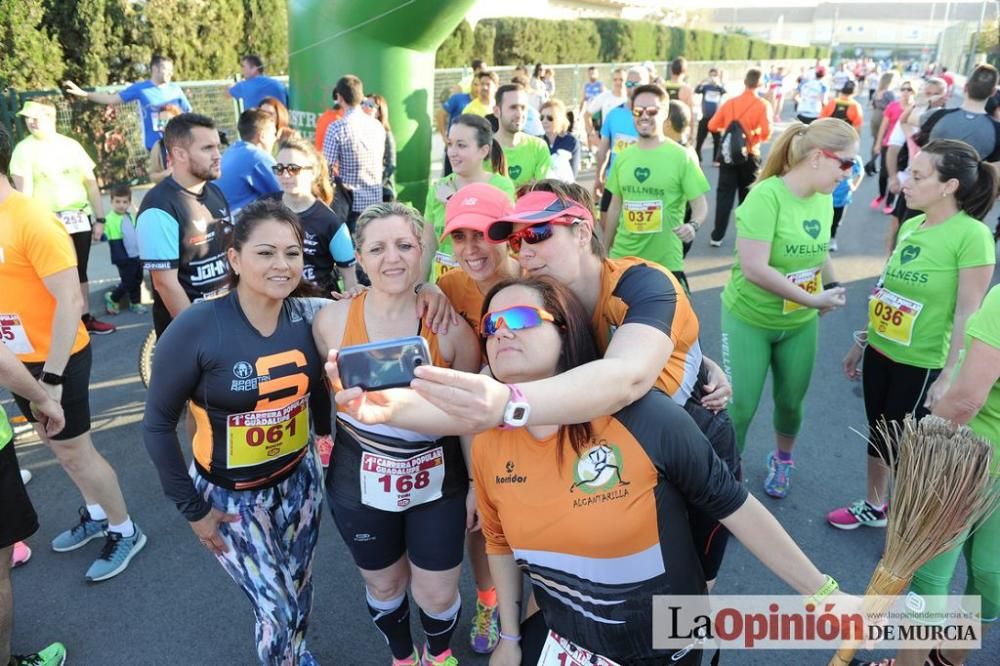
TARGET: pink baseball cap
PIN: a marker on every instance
(476, 207)
(536, 207)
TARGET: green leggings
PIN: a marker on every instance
(982, 562)
(747, 353)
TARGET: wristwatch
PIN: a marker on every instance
(515, 414)
(51, 378)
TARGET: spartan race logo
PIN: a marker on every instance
(598, 472)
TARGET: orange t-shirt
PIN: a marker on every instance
(33, 245)
(464, 295)
(326, 119)
(855, 116)
(642, 292)
(753, 114)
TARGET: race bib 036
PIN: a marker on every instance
(892, 316)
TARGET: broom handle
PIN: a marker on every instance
(883, 583)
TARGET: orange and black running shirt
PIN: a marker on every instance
(249, 395)
(634, 291)
(600, 533)
(464, 296)
(385, 467)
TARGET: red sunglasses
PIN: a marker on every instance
(844, 162)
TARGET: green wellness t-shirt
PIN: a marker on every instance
(527, 161)
(6, 433)
(654, 186)
(911, 311)
(798, 230)
(984, 326)
(444, 259)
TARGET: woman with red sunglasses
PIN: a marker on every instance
(597, 513)
(783, 280)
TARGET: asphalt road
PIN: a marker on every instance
(175, 605)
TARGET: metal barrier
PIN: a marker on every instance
(113, 134)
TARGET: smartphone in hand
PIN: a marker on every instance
(382, 365)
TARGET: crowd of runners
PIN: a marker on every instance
(269, 256)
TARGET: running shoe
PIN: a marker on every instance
(118, 552)
(20, 555)
(86, 530)
(715, 243)
(876, 202)
(412, 660)
(779, 476)
(138, 308)
(888, 209)
(858, 514)
(110, 304)
(446, 658)
(833, 245)
(485, 631)
(25, 476)
(97, 327)
(53, 655)
(324, 445)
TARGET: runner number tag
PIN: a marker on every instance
(712, 96)
(258, 437)
(810, 281)
(893, 316)
(393, 484)
(75, 221)
(622, 142)
(643, 217)
(13, 335)
(443, 262)
(557, 651)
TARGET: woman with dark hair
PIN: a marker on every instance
(416, 541)
(246, 365)
(470, 145)
(378, 108)
(596, 513)
(935, 278)
(273, 107)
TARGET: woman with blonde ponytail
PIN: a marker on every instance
(783, 280)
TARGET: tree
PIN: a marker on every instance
(84, 25)
(32, 57)
(265, 32)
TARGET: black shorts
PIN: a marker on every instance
(81, 244)
(605, 200)
(708, 535)
(892, 390)
(17, 520)
(805, 120)
(75, 395)
(431, 535)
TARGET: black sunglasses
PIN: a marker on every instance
(293, 169)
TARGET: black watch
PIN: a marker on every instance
(52, 379)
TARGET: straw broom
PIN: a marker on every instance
(942, 488)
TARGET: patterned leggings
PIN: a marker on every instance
(270, 556)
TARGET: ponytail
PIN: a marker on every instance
(497, 159)
(798, 140)
(978, 181)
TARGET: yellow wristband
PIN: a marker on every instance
(828, 588)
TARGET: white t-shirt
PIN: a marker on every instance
(604, 102)
(839, 79)
(811, 95)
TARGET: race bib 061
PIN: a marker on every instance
(393, 484)
(257, 437)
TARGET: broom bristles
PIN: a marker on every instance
(942, 489)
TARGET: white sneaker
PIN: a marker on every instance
(833, 245)
(715, 243)
(25, 476)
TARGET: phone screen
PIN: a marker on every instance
(381, 365)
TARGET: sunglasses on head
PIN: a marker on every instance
(844, 162)
(648, 111)
(293, 169)
(536, 233)
(516, 318)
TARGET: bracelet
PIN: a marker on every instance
(100, 220)
(861, 338)
(508, 637)
(831, 285)
(696, 225)
(828, 588)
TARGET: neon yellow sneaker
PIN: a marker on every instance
(446, 658)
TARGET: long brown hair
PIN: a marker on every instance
(381, 110)
(322, 188)
(578, 346)
(484, 137)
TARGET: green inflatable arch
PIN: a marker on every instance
(390, 44)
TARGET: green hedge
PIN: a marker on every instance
(513, 41)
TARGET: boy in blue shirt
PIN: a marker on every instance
(119, 227)
(843, 195)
